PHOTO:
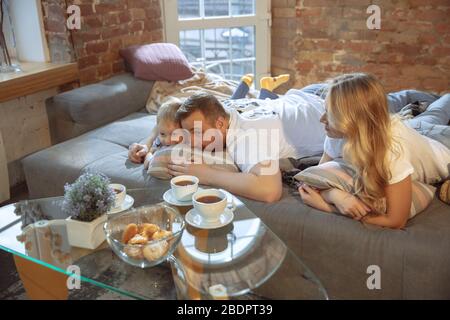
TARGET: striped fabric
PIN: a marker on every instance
(158, 165)
(338, 175)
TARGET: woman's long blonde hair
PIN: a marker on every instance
(357, 107)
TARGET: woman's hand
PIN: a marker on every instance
(350, 205)
(312, 198)
(137, 152)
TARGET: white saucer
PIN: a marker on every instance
(194, 219)
(170, 199)
(127, 204)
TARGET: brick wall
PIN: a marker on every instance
(58, 37)
(106, 27)
(284, 40)
(324, 38)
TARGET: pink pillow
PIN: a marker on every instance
(157, 61)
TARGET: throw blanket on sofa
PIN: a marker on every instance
(163, 91)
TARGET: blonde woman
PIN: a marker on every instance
(386, 154)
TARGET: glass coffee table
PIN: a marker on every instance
(242, 260)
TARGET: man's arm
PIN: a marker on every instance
(256, 184)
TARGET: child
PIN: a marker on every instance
(386, 154)
(161, 135)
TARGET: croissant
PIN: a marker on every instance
(130, 231)
(161, 234)
(155, 251)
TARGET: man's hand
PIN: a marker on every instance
(201, 171)
(137, 152)
(312, 198)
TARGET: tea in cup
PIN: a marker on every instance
(183, 187)
(210, 204)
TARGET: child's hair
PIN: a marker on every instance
(357, 107)
(168, 110)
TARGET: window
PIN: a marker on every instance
(29, 30)
(226, 37)
(24, 30)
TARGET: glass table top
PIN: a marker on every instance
(242, 260)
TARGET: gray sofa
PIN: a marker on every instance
(97, 124)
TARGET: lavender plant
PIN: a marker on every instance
(88, 197)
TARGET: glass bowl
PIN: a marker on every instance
(152, 252)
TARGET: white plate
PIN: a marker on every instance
(127, 204)
(170, 199)
(195, 219)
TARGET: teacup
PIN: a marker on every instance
(183, 187)
(210, 204)
(120, 192)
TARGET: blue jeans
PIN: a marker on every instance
(242, 90)
(438, 112)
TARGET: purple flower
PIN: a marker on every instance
(88, 197)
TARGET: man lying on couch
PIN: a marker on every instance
(287, 127)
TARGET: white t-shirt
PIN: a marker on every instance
(333, 147)
(275, 129)
(425, 159)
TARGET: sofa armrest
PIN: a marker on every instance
(80, 110)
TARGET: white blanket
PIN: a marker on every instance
(221, 88)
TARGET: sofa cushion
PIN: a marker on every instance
(102, 102)
(48, 170)
(125, 131)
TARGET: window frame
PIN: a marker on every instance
(261, 20)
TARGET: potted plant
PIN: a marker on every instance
(86, 201)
